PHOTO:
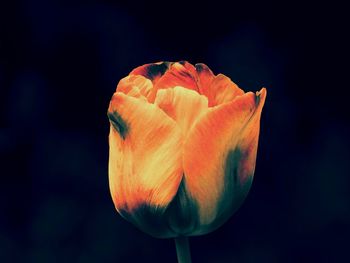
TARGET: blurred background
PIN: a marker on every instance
(60, 62)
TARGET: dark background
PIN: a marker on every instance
(59, 64)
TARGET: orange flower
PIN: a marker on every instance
(183, 146)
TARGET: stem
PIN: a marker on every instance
(183, 250)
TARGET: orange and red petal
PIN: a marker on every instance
(205, 77)
(248, 143)
(152, 71)
(212, 158)
(223, 90)
(218, 89)
(141, 138)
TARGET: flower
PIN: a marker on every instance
(183, 145)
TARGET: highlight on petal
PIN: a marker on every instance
(145, 159)
(183, 105)
(135, 86)
(178, 74)
(213, 152)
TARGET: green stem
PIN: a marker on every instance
(183, 250)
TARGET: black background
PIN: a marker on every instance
(59, 64)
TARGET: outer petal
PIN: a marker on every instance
(178, 74)
(141, 138)
(182, 105)
(219, 158)
(248, 143)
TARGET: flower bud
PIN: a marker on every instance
(183, 145)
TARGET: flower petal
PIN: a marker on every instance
(248, 143)
(178, 74)
(141, 138)
(189, 67)
(135, 86)
(218, 153)
(218, 89)
(182, 105)
(222, 90)
(205, 78)
(152, 71)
